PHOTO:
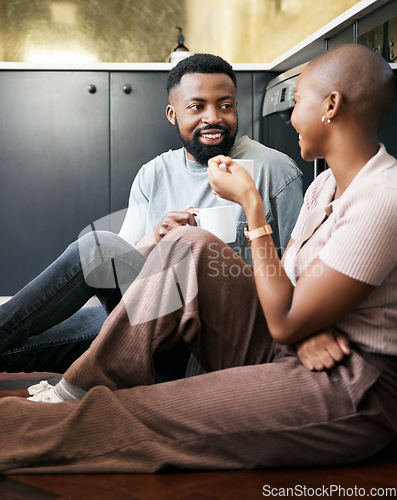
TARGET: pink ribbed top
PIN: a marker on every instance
(358, 239)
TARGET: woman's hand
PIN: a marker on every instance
(323, 350)
(235, 184)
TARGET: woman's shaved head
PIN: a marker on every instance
(363, 77)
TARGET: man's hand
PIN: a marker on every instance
(323, 350)
(175, 219)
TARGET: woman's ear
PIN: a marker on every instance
(170, 113)
(333, 104)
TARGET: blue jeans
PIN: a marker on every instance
(43, 328)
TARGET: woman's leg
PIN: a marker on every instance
(274, 413)
(266, 415)
(192, 287)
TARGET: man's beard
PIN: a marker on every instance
(203, 152)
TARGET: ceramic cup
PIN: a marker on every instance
(249, 166)
(221, 221)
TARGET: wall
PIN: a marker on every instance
(256, 31)
(84, 31)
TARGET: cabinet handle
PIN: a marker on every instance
(127, 89)
(91, 89)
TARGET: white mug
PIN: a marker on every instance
(249, 166)
(221, 221)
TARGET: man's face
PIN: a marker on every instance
(203, 107)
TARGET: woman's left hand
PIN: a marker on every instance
(235, 184)
(323, 350)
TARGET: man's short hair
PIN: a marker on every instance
(199, 63)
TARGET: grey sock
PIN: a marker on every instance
(69, 392)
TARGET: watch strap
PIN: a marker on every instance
(258, 232)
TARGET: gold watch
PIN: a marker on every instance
(258, 232)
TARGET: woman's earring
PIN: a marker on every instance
(325, 120)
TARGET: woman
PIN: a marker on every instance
(334, 297)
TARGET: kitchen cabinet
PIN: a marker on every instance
(139, 128)
(71, 144)
(54, 171)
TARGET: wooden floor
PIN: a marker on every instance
(378, 475)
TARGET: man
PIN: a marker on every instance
(43, 327)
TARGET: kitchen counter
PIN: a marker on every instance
(152, 66)
(304, 51)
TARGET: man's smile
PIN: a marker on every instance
(211, 137)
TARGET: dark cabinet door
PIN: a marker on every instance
(54, 166)
(139, 128)
(251, 87)
(244, 104)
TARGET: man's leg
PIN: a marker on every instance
(57, 348)
(62, 289)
